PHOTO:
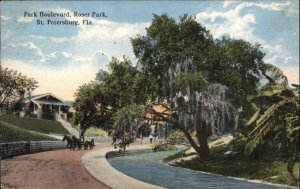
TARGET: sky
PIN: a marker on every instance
(63, 57)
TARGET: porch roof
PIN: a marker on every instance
(47, 98)
(50, 102)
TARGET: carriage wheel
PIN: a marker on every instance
(92, 146)
(86, 145)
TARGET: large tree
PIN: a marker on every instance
(13, 86)
(92, 106)
(198, 80)
(192, 75)
(97, 102)
(127, 123)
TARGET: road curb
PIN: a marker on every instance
(96, 164)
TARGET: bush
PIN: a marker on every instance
(164, 147)
(296, 171)
(218, 150)
(238, 144)
(275, 172)
(93, 131)
(177, 137)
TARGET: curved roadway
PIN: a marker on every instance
(149, 168)
(47, 170)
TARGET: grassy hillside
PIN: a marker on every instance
(33, 124)
(11, 133)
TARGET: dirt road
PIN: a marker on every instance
(61, 169)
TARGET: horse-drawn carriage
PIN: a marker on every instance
(73, 142)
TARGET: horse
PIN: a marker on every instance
(90, 144)
(76, 142)
(69, 141)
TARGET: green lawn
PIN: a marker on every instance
(33, 124)
(275, 172)
(11, 133)
(93, 131)
(264, 170)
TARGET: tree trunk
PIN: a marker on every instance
(191, 141)
(203, 149)
(202, 134)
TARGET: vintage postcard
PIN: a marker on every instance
(149, 94)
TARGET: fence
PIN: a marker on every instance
(26, 147)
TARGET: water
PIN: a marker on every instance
(149, 168)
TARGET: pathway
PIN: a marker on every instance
(67, 126)
(96, 164)
(60, 169)
(149, 168)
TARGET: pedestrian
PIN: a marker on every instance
(151, 138)
(142, 137)
(81, 134)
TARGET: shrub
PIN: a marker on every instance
(177, 137)
(164, 147)
(93, 131)
(296, 171)
(238, 144)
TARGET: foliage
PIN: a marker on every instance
(180, 67)
(239, 165)
(12, 133)
(177, 136)
(124, 84)
(33, 124)
(127, 122)
(238, 144)
(296, 171)
(93, 131)
(164, 147)
(128, 114)
(178, 155)
(13, 86)
(92, 106)
(97, 102)
(101, 75)
(296, 88)
(278, 122)
(194, 80)
(274, 75)
(240, 61)
(275, 172)
(184, 61)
